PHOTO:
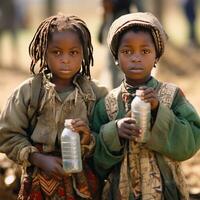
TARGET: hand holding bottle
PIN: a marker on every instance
(79, 126)
(149, 95)
(127, 128)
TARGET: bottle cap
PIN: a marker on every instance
(139, 92)
(68, 123)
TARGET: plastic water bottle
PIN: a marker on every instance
(71, 150)
(141, 112)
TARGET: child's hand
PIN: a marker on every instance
(51, 165)
(150, 95)
(127, 129)
(79, 126)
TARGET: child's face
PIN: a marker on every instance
(136, 56)
(64, 55)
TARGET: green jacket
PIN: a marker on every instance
(51, 112)
(175, 132)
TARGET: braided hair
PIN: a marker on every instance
(60, 22)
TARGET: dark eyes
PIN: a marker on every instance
(126, 51)
(146, 51)
(74, 52)
(59, 53)
(130, 52)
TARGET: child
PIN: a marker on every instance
(112, 9)
(149, 170)
(63, 46)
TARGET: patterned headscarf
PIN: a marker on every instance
(143, 19)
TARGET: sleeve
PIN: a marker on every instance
(108, 150)
(14, 140)
(176, 131)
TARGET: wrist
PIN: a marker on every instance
(34, 158)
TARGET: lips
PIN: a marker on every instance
(138, 68)
(65, 69)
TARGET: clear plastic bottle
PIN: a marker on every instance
(71, 150)
(141, 112)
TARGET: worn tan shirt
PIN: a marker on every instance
(52, 113)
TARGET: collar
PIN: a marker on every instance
(151, 82)
(128, 91)
(48, 77)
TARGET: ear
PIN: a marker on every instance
(156, 60)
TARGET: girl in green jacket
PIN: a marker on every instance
(149, 169)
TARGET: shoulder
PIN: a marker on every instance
(19, 98)
(93, 87)
(168, 86)
(22, 89)
(99, 89)
(27, 83)
(167, 89)
(109, 100)
(171, 94)
(25, 89)
(111, 103)
(163, 86)
(110, 96)
(114, 93)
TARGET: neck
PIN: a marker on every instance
(137, 83)
(61, 84)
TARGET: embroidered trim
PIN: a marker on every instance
(166, 93)
(111, 103)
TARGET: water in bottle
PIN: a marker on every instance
(71, 150)
(141, 112)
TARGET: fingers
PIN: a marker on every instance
(58, 171)
(127, 128)
(127, 120)
(128, 134)
(131, 134)
(81, 127)
(149, 95)
(77, 122)
(85, 139)
(73, 123)
(84, 134)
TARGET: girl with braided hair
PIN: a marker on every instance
(62, 50)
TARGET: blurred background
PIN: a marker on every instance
(180, 64)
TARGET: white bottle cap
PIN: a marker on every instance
(139, 92)
(68, 123)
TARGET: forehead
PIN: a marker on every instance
(68, 36)
(139, 36)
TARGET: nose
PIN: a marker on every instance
(65, 58)
(135, 57)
